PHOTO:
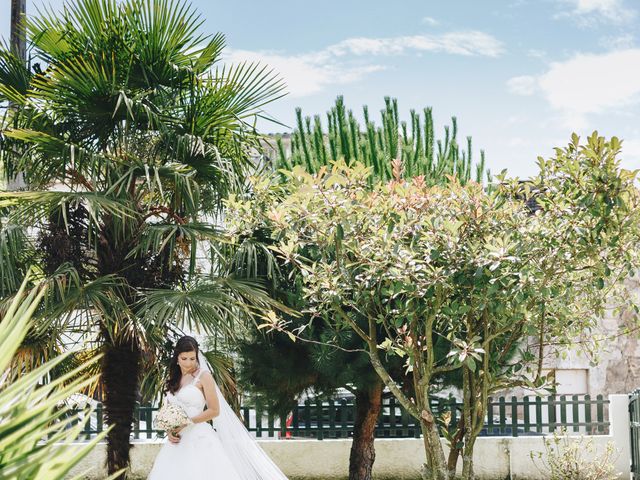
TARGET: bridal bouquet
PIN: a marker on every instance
(171, 416)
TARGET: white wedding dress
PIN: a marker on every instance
(225, 451)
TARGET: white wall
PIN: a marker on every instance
(400, 459)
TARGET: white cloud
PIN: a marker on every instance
(516, 120)
(305, 74)
(618, 42)
(592, 83)
(534, 53)
(587, 84)
(631, 152)
(519, 142)
(457, 43)
(524, 85)
(588, 12)
(347, 62)
(430, 21)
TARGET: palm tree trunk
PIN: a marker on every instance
(363, 454)
(18, 39)
(18, 46)
(120, 373)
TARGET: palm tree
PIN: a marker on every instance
(129, 140)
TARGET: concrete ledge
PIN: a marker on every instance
(397, 459)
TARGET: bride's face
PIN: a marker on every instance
(188, 361)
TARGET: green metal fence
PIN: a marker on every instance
(324, 419)
(634, 427)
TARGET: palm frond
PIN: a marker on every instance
(247, 87)
(252, 258)
(32, 422)
(214, 306)
(176, 239)
(222, 370)
(81, 306)
(31, 207)
(218, 168)
(210, 54)
(14, 245)
(166, 40)
(51, 158)
(15, 77)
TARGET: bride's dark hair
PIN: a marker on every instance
(184, 344)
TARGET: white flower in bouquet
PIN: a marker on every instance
(170, 417)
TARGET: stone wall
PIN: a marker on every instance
(617, 367)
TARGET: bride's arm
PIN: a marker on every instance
(213, 405)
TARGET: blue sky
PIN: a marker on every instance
(520, 75)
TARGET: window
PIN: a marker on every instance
(572, 381)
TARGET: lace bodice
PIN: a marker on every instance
(189, 397)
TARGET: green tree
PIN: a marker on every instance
(323, 360)
(483, 272)
(128, 140)
(271, 364)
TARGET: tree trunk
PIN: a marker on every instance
(436, 468)
(368, 405)
(467, 462)
(469, 414)
(18, 46)
(120, 373)
(454, 452)
(18, 40)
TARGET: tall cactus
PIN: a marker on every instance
(414, 144)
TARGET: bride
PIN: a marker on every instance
(225, 451)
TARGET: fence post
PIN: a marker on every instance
(344, 422)
(503, 416)
(247, 418)
(600, 413)
(270, 424)
(527, 413)
(320, 422)
(563, 410)
(514, 417)
(538, 414)
(307, 419)
(392, 416)
(332, 420)
(575, 407)
(258, 418)
(587, 414)
(551, 412)
(490, 428)
(99, 418)
(620, 432)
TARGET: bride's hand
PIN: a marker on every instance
(176, 431)
(173, 436)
